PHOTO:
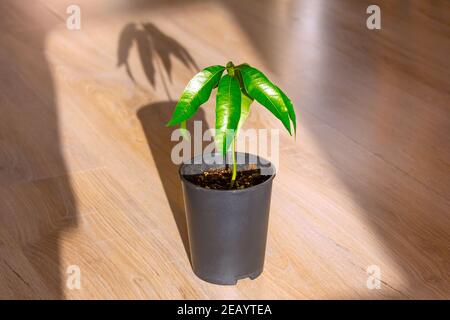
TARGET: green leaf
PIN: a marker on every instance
(246, 101)
(266, 93)
(241, 82)
(228, 112)
(196, 93)
(290, 108)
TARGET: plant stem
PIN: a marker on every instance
(233, 147)
(230, 68)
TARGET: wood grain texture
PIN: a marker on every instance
(85, 171)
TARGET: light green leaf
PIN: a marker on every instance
(266, 93)
(290, 108)
(196, 93)
(246, 101)
(228, 112)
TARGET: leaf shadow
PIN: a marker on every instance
(155, 50)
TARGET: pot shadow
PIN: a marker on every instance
(153, 119)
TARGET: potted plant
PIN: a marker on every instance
(227, 202)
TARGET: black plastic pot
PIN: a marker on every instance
(227, 228)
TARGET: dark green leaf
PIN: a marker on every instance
(246, 100)
(266, 93)
(196, 93)
(241, 81)
(228, 112)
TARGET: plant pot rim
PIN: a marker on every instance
(233, 191)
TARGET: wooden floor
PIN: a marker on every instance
(85, 173)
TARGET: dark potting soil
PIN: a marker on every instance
(220, 179)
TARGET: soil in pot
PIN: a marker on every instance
(220, 179)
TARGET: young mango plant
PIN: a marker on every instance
(236, 91)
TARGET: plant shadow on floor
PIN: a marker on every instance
(156, 49)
